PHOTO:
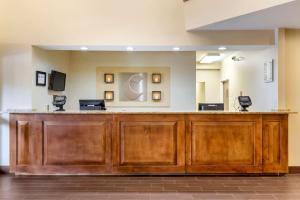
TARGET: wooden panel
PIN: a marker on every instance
(62, 144)
(272, 140)
(29, 144)
(222, 146)
(23, 143)
(12, 143)
(149, 144)
(226, 143)
(275, 144)
(75, 143)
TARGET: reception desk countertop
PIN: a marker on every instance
(152, 112)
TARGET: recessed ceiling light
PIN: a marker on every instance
(176, 48)
(129, 48)
(84, 48)
(222, 48)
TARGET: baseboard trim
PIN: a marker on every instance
(294, 169)
(4, 169)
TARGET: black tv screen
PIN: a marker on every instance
(57, 81)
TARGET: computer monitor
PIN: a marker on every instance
(57, 81)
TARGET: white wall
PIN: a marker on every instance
(248, 76)
(82, 75)
(212, 79)
(46, 61)
(15, 88)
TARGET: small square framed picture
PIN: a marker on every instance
(156, 78)
(109, 78)
(40, 78)
(109, 95)
(156, 95)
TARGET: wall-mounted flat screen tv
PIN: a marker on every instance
(57, 81)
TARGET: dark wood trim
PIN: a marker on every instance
(294, 169)
(4, 169)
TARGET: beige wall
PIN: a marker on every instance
(212, 79)
(15, 77)
(204, 12)
(290, 51)
(46, 61)
(82, 76)
(15, 89)
(281, 52)
(248, 76)
(109, 22)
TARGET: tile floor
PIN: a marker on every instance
(148, 187)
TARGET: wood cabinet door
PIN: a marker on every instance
(61, 144)
(224, 144)
(77, 144)
(149, 144)
(25, 142)
(275, 144)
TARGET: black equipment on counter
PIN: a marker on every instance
(245, 102)
(211, 106)
(59, 101)
(57, 81)
(92, 104)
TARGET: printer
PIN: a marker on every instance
(92, 104)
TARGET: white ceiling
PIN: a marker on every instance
(282, 16)
(150, 48)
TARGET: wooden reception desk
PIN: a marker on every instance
(149, 143)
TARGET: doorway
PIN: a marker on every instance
(226, 94)
(200, 92)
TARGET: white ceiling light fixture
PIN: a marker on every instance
(84, 48)
(211, 58)
(129, 48)
(223, 48)
(176, 48)
(238, 58)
